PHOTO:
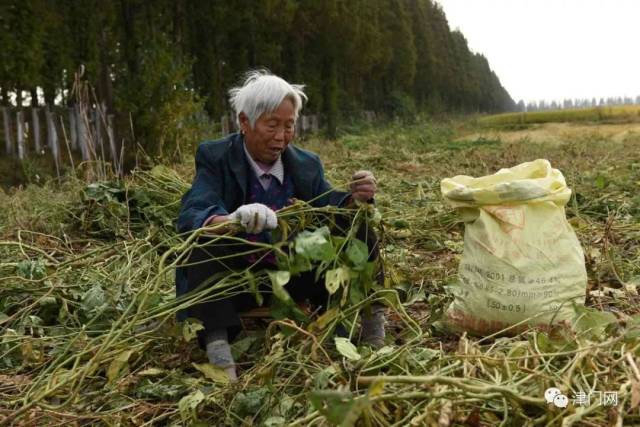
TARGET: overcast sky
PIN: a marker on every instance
(555, 49)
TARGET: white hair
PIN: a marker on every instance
(263, 92)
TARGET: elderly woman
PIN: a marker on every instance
(245, 178)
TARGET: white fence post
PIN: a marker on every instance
(83, 134)
(52, 139)
(73, 128)
(22, 152)
(35, 119)
(8, 140)
(98, 127)
(112, 142)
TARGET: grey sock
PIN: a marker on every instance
(219, 352)
(372, 332)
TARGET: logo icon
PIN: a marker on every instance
(555, 396)
(561, 401)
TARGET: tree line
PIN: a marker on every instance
(543, 105)
(155, 63)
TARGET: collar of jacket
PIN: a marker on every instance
(296, 164)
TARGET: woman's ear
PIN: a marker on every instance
(244, 123)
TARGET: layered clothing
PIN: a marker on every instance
(224, 181)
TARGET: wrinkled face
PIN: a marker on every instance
(271, 133)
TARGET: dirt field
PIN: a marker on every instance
(561, 132)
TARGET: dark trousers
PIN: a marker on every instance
(204, 263)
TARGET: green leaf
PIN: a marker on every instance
(299, 264)
(279, 310)
(190, 328)
(285, 405)
(334, 405)
(346, 348)
(632, 331)
(358, 254)
(544, 343)
(47, 301)
(336, 278)
(118, 365)
(601, 182)
(553, 342)
(163, 389)
(325, 319)
(275, 421)
(249, 403)
(368, 273)
(94, 300)
(315, 245)
(214, 373)
(322, 378)
(279, 279)
(339, 407)
(151, 372)
(356, 294)
(31, 269)
(375, 216)
(287, 310)
(591, 322)
(240, 347)
(400, 223)
(153, 300)
(188, 405)
(376, 389)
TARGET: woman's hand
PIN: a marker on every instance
(255, 218)
(363, 186)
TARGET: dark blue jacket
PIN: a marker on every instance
(220, 184)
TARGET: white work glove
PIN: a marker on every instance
(255, 218)
(363, 186)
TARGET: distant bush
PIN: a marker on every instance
(167, 114)
(401, 106)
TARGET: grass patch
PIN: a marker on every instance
(618, 114)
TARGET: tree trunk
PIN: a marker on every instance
(105, 86)
(129, 12)
(178, 20)
(49, 95)
(4, 96)
(330, 96)
(19, 98)
(34, 97)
